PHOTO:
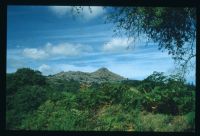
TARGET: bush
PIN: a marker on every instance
(25, 101)
(52, 116)
(112, 118)
(132, 99)
(190, 117)
(158, 103)
(64, 85)
(67, 100)
(113, 91)
(23, 77)
(168, 95)
(162, 123)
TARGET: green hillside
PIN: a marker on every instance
(98, 101)
(99, 76)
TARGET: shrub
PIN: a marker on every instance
(51, 116)
(113, 91)
(132, 99)
(167, 95)
(23, 77)
(25, 101)
(112, 118)
(162, 123)
(64, 85)
(190, 117)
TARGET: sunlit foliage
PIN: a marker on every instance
(158, 103)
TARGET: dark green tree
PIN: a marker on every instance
(25, 101)
(27, 76)
(23, 77)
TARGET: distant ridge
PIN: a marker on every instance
(99, 76)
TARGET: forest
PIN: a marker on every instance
(158, 103)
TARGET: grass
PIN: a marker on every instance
(163, 123)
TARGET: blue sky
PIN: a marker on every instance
(51, 39)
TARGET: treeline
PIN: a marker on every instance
(158, 103)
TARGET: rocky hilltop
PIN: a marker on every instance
(99, 76)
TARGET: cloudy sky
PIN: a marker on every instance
(51, 39)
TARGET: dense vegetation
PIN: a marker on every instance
(158, 103)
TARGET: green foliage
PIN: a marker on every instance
(26, 76)
(91, 99)
(11, 86)
(171, 28)
(22, 77)
(157, 77)
(65, 85)
(132, 99)
(25, 91)
(131, 83)
(25, 101)
(113, 91)
(162, 123)
(66, 99)
(190, 117)
(55, 116)
(158, 103)
(112, 118)
(167, 95)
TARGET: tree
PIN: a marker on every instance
(25, 101)
(173, 29)
(27, 76)
(23, 77)
(167, 94)
(157, 77)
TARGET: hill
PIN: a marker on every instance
(99, 76)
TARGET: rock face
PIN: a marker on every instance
(99, 76)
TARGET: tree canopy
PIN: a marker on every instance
(174, 29)
(23, 77)
(148, 105)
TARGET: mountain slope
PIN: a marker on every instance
(101, 75)
(105, 75)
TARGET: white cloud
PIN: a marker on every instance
(118, 44)
(67, 49)
(86, 12)
(47, 70)
(60, 10)
(63, 49)
(44, 67)
(95, 11)
(34, 53)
